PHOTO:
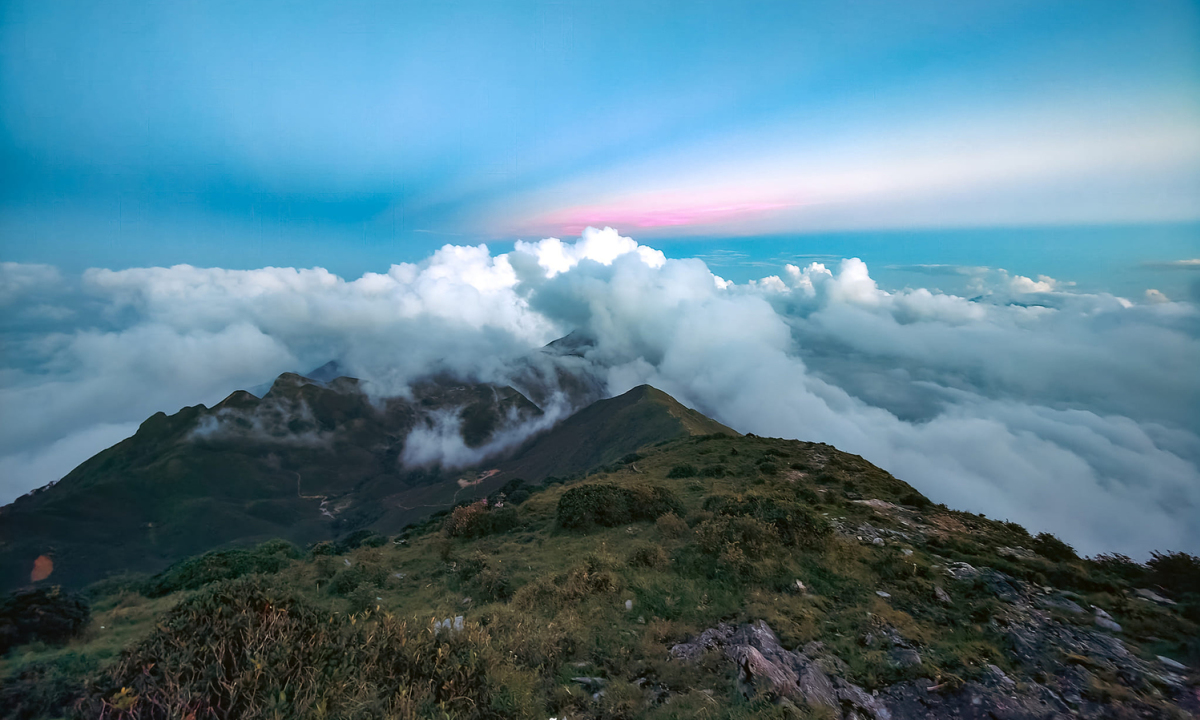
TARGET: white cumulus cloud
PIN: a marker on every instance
(1065, 411)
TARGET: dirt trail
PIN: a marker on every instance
(324, 500)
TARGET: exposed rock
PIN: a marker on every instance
(591, 684)
(766, 668)
(455, 625)
(882, 594)
(1019, 553)
(1060, 658)
(1059, 602)
(1152, 596)
(1008, 589)
(995, 677)
(961, 571)
(1105, 621)
(941, 595)
(904, 657)
(1174, 665)
(974, 700)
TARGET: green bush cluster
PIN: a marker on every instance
(610, 505)
(47, 615)
(513, 492)
(479, 519)
(794, 523)
(483, 577)
(1051, 548)
(348, 579)
(45, 689)
(649, 555)
(685, 470)
(242, 649)
(745, 535)
(269, 557)
(549, 594)
(346, 543)
(671, 525)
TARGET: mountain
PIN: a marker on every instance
(706, 576)
(607, 430)
(308, 461)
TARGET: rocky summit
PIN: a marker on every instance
(634, 560)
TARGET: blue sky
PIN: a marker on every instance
(353, 135)
(197, 196)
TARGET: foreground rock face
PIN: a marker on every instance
(766, 668)
(812, 676)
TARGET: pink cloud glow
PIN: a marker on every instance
(573, 220)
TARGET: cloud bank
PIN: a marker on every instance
(1070, 412)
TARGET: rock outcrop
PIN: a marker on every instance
(765, 668)
(1042, 645)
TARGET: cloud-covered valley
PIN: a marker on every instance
(1071, 412)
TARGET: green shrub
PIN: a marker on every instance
(350, 577)
(611, 505)
(1177, 572)
(484, 578)
(713, 471)
(357, 539)
(244, 650)
(45, 689)
(682, 471)
(794, 523)
(550, 594)
(736, 544)
(671, 525)
(752, 536)
(514, 492)
(768, 468)
(1016, 529)
(649, 555)
(808, 496)
(1051, 548)
(480, 519)
(47, 615)
(269, 557)
(915, 499)
(325, 547)
(1121, 567)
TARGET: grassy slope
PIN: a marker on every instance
(163, 495)
(560, 610)
(598, 435)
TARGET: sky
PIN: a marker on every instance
(924, 217)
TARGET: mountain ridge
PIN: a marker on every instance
(707, 575)
(308, 461)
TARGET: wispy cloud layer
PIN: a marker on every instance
(1066, 411)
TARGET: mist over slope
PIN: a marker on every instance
(311, 461)
(1078, 413)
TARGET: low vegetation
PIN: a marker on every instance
(45, 615)
(572, 593)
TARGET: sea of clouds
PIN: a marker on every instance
(1071, 412)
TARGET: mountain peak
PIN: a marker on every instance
(606, 430)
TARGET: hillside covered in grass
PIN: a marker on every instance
(309, 461)
(708, 576)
